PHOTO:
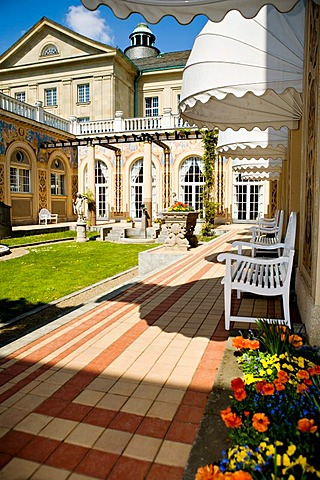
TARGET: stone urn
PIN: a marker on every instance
(180, 228)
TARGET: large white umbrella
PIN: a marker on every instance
(256, 143)
(185, 10)
(246, 72)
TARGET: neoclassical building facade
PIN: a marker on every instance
(82, 90)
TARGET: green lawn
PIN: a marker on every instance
(43, 237)
(51, 271)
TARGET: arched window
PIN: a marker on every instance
(57, 176)
(136, 189)
(191, 182)
(102, 185)
(48, 50)
(20, 172)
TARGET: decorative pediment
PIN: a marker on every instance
(48, 41)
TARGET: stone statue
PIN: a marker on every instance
(78, 206)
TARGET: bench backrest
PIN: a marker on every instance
(280, 225)
(44, 213)
(290, 238)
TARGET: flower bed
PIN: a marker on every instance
(273, 415)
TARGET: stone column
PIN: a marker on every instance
(147, 177)
(91, 157)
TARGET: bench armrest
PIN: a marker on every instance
(274, 246)
(229, 256)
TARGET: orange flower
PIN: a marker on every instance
(209, 472)
(283, 376)
(306, 425)
(279, 385)
(301, 388)
(246, 413)
(254, 345)
(295, 340)
(224, 412)
(303, 374)
(267, 389)
(260, 422)
(237, 383)
(239, 342)
(240, 394)
(231, 420)
(241, 475)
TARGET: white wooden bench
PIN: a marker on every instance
(260, 276)
(263, 236)
(269, 222)
(46, 216)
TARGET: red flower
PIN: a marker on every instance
(279, 385)
(306, 425)
(267, 389)
(260, 385)
(237, 383)
(240, 394)
(260, 422)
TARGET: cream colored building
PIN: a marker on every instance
(102, 92)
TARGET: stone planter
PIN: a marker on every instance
(180, 229)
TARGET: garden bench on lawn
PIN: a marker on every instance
(260, 276)
(46, 216)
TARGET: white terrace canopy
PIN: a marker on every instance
(258, 169)
(256, 143)
(246, 73)
(185, 10)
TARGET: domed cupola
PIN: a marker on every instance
(142, 43)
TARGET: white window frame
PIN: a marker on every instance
(83, 90)
(57, 178)
(50, 97)
(151, 106)
(20, 96)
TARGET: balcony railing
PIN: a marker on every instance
(167, 121)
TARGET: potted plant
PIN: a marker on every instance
(180, 219)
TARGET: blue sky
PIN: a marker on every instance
(17, 16)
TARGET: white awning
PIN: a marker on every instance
(185, 10)
(246, 72)
(256, 143)
(261, 169)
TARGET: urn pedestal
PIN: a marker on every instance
(180, 228)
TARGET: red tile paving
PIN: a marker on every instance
(165, 334)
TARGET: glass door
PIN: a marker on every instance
(102, 180)
(247, 200)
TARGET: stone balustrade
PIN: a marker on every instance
(117, 125)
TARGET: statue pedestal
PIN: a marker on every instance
(81, 232)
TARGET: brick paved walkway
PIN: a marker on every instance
(117, 389)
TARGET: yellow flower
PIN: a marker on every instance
(262, 373)
(269, 371)
(291, 449)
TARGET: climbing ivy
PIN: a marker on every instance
(210, 207)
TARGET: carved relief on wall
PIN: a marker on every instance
(1, 183)
(313, 125)
(74, 185)
(42, 181)
(274, 197)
